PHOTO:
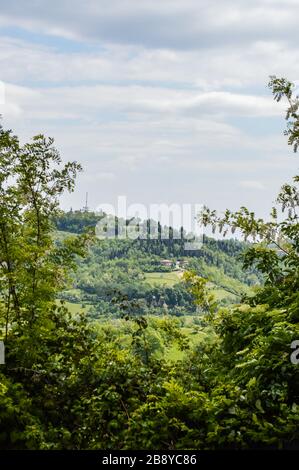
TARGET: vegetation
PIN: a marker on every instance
(135, 376)
(136, 269)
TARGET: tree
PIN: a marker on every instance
(32, 268)
(73, 384)
(275, 248)
(202, 296)
(253, 357)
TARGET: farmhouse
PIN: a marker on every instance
(166, 262)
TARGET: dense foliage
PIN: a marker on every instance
(126, 266)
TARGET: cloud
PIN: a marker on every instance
(136, 103)
(100, 176)
(223, 103)
(2, 93)
(156, 99)
(171, 24)
(131, 127)
(228, 69)
(252, 184)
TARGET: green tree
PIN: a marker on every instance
(32, 268)
(202, 295)
(255, 338)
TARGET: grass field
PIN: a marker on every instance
(196, 337)
(75, 308)
(163, 279)
(221, 294)
(173, 277)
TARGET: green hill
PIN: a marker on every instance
(147, 273)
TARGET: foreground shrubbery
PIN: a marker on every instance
(68, 384)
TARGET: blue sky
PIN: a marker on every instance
(161, 101)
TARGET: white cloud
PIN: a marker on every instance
(145, 92)
(136, 102)
(2, 93)
(204, 70)
(252, 184)
(168, 24)
(99, 176)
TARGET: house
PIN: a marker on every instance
(166, 262)
(181, 264)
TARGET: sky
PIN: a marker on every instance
(160, 101)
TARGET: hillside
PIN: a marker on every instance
(148, 272)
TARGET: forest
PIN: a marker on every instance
(150, 271)
(138, 344)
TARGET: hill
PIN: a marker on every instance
(147, 273)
